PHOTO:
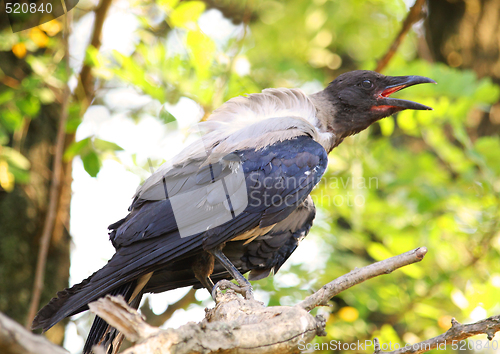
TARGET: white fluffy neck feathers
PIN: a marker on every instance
(263, 118)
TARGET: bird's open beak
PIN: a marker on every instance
(397, 83)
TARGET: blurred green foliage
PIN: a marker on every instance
(418, 179)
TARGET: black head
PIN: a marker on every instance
(361, 97)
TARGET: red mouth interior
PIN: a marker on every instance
(391, 90)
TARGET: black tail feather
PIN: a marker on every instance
(47, 316)
(103, 334)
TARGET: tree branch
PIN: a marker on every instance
(414, 15)
(62, 141)
(359, 275)
(236, 325)
(454, 335)
(55, 187)
(115, 311)
(85, 82)
(14, 339)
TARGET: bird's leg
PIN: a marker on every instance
(244, 288)
(202, 267)
(207, 283)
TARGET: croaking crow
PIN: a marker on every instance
(236, 201)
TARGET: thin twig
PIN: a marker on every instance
(414, 15)
(57, 171)
(85, 78)
(453, 337)
(359, 275)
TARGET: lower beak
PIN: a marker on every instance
(397, 83)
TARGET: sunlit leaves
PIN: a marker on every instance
(90, 150)
(202, 50)
(348, 314)
(19, 50)
(135, 74)
(13, 167)
(35, 81)
(186, 13)
(489, 148)
(6, 177)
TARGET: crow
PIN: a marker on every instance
(235, 201)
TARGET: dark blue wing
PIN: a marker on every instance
(261, 256)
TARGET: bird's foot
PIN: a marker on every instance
(224, 284)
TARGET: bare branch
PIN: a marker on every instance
(86, 79)
(115, 311)
(414, 15)
(235, 325)
(238, 325)
(14, 339)
(454, 335)
(57, 174)
(359, 275)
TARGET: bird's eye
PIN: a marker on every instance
(367, 84)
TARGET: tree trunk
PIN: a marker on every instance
(23, 211)
(466, 35)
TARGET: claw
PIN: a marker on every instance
(224, 284)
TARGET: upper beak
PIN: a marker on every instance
(397, 83)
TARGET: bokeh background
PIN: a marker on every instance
(123, 80)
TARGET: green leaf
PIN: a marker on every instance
(91, 56)
(168, 118)
(29, 106)
(387, 126)
(77, 148)
(11, 119)
(378, 251)
(103, 145)
(487, 92)
(4, 138)
(413, 271)
(489, 147)
(202, 52)
(91, 163)
(14, 158)
(74, 118)
(168, 4)
(46, 95)
(20, 175)
(186, 13)
(6, 96)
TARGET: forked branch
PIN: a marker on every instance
(236, 325)
(452, 338)
(359, 275)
